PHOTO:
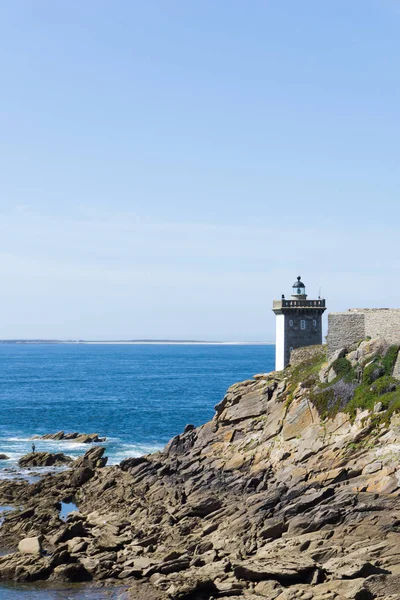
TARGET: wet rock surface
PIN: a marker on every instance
(271, 499)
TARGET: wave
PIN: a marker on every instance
(16, 446)
(132, 451)
(56, 444)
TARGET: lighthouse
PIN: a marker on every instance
(298, 323)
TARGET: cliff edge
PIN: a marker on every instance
(290, 491)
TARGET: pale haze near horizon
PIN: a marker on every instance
(170, 167)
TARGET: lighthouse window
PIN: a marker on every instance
(314, 323)
(302, 324)
(291, 322)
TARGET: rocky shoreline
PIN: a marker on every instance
(291, 491)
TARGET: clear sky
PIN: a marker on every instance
(168, 167)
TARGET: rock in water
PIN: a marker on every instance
(44, 459)
(82, 438)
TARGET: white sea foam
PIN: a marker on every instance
(16, 439)
(132, 451)
(15, 447)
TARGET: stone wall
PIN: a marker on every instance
(344, 330)
(383, 323)
(347, 328)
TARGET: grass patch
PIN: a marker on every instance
(389, 360)
(381, 365)
(308, 370)
(383, 390)
(305, 373)
(343, 368)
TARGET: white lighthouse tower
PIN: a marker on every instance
(298, 323)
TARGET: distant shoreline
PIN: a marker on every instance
(137, 342)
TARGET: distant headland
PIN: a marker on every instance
(144, 341)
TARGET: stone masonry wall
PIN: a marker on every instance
(384, 323)
(347, 328)
(344, 329)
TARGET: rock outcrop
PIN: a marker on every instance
(291, 491)
(44, 459)
(82, 438)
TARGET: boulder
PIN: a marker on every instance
(4, 457)
(30, 545)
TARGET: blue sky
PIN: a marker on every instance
(169, 167)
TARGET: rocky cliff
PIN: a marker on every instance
(291, 491)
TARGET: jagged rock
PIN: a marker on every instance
(4, 457)
(83, 438)
(286, 572)
(81, 475)
(68, 532)
(44, 459)
(273, 529)
(196, 588)
(383, 586)
(130, 463)
(350, 568)
(268, 589)
(200, 506)
(74, 572)
(92, 459)
(301, 415)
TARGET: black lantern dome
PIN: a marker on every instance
(299, 289)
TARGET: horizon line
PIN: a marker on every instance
(134, 341)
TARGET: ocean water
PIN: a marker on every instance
(137, 396)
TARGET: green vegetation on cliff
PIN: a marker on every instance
(349, 383)
(361, 386)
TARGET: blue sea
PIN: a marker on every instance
(137, 396)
